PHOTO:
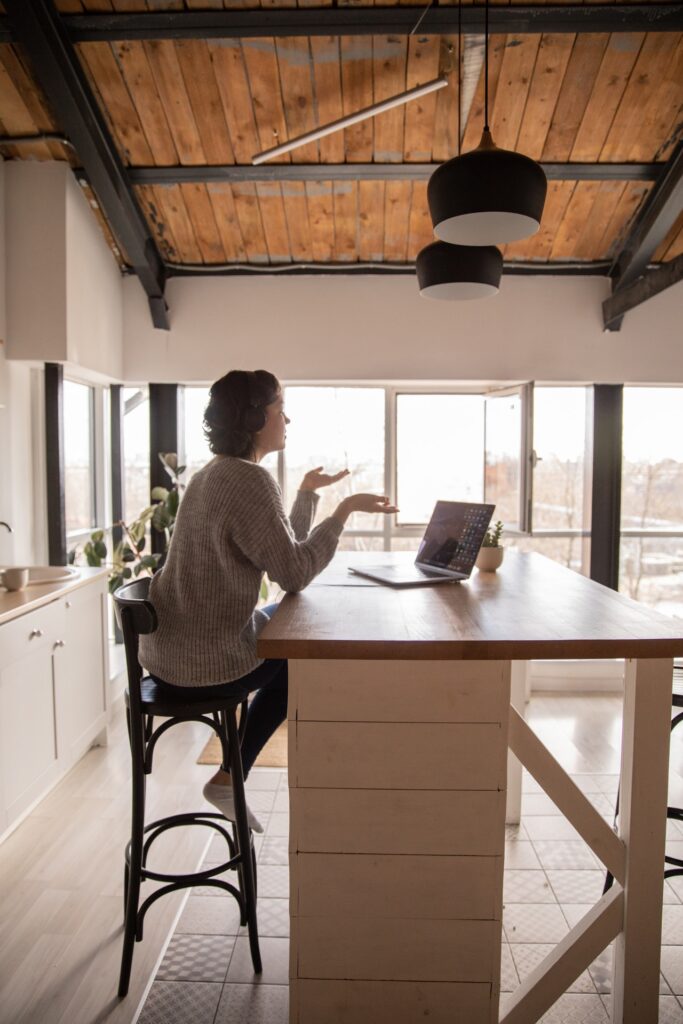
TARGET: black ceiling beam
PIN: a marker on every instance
(39, 30)
(519, 269)
(330, 21)
(650, 227)
(367, 172)
(643, 288)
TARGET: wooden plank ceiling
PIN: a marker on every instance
(557, 98)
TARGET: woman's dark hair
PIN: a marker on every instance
(237, 410)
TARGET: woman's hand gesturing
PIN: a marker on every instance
(364, 503)
(315, 478)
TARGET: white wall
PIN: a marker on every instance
(378, 328)
(63, 283)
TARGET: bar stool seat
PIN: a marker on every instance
(146, 700)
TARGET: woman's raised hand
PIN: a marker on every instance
(315, 478)
(364, 503)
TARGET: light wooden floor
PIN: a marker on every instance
(61, 871)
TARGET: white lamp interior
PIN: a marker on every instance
(458, 290)
(490, 227)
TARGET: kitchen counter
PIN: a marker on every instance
(19, 602)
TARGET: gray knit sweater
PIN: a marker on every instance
(231, 528)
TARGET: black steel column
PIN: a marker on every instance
(608, 402)
(163, 437)
(54, 463)
(116, 431)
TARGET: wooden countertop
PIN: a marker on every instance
(531, 608)
(19, 602)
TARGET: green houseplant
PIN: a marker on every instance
(491, 553)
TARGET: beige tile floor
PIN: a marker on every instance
(551, 879)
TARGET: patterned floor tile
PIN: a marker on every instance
(509, 979)
(586, 783)
(534, 922)
(564, 856)
(196, 958)
(275, 957)
(527, 887)
(603, 804)
(577, 886)
(676, 885)
(601, 973)
(263, 778)
(253, 1004)
(282, 801)
(278, 824)
(274, 850)
(515, 832)
(538, 803)
(550, 826)
(670, 1011)
(529, 784)
(608, 784)
(273, 918)
(205, 916)
(574, 912)
(519, 855)
(669, 894)
(173, 1002)
(672, 968)
(672, 925)
(528, 956)
(577, 1008)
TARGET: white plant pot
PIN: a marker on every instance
(489, 559)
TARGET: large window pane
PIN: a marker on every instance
(651, 570)
(502, 482)
(560, 443)
(440, 442)
(574, 552)
(338, 428)
(79, 460)
(135, 452)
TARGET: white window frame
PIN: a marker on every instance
(100, 442)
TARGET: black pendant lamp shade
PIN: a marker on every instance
(449, 272)
(488, 196)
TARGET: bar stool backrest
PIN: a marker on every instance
(135, 615)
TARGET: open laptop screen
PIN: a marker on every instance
(454, 535)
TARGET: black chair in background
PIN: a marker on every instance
(144, 703)
(674, 813)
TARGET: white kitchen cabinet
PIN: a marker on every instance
(53, 686)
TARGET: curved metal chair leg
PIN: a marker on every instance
(244, 840)
(134, 869)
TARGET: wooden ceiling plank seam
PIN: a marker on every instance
(389, 55)
(553, 56)
(592, 243)
(643, 82)
(320, 202)
(97, 6)
(130, 5)
(420, 230)
(575, 92)
(634, 195)
(200, 83)
(36, 105)
(357, 93)
(516, 74)
(162, 231)
(396, 217)
(539, 246)
(266, 94)
(230, 72)
(172, 210)
(18, 120)
(204, 5)
(116, 102)
(345, 221)
(663, 252)
(663, 111)
(475, 121)
(296, 214)
(578, 211)
(327, 95)
(201, 214)
(274, 221)
(251, 225)
(137, 74)
(422, 66)
(293, 57)
(371, 221)
(163, 60)
(227, 222)
(617, 64)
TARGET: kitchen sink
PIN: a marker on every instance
(46, 573)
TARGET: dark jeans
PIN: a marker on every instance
(267, 709)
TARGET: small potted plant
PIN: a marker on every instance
(491, 553)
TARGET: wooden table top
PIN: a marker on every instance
(531, 608)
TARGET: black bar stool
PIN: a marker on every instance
(144, 702)
(672, 865)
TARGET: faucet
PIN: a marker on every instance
(6, 525)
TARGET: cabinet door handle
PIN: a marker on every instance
(35, 634)
(57, 644)
(67, 604)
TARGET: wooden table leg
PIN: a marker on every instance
(642, 826)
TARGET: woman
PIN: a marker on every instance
(231, 528)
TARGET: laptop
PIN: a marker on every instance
(447, 551)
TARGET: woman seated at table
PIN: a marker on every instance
(230, 529)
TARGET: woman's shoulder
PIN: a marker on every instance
(241, 472)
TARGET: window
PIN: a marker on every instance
(135, 452)
(79, 458)
(651, 562)
(196, 452)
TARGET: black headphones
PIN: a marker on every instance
(254, 416)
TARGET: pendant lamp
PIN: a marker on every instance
(488, 196)
(456, 272)
(451, 272)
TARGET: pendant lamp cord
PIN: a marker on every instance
(486, 65)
